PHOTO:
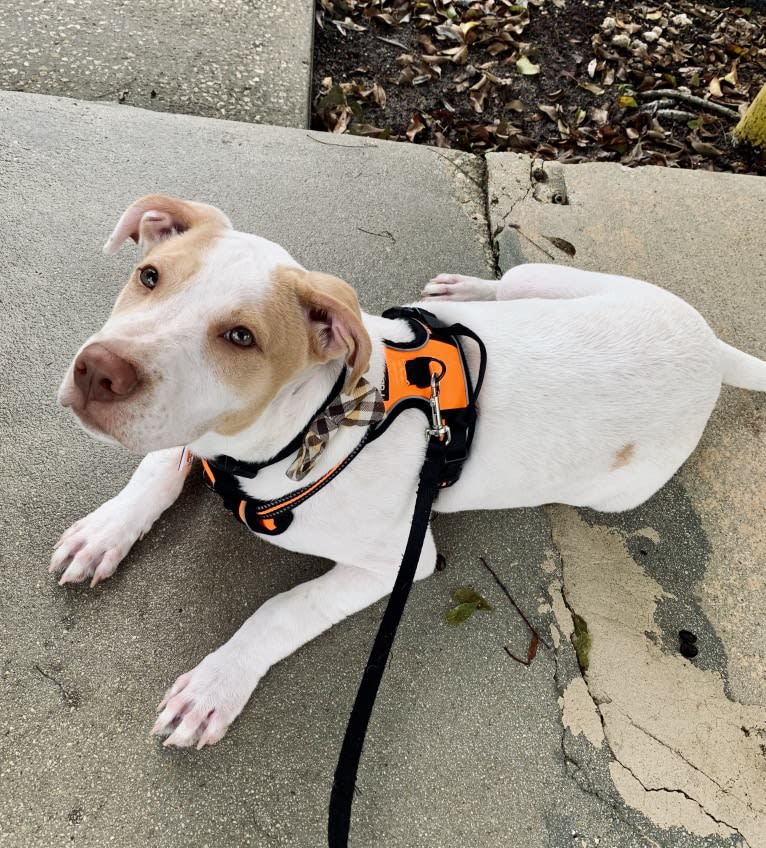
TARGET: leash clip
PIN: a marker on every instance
(438, 428)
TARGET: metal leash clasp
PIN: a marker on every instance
(438, 427)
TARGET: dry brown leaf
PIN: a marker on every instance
(591, 87)
(524, 65)
(416, 127)
(705, 149)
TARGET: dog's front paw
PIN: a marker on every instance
(199, 707)
(95, 545)
(458, 287)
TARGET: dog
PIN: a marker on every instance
(598, 387)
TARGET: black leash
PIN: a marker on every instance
(342, 795)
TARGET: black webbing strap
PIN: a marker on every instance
(342, 795)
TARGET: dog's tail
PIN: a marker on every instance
(742, 370)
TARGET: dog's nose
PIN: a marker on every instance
(102, 375)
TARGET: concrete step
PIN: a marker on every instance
(246, 60)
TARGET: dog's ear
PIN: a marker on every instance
(156, 217)
(334, 318)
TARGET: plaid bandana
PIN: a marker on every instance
(363, 406)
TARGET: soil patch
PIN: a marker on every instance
(562, 79)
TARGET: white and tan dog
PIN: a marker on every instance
(598, 387)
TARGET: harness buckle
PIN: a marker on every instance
(438, 428)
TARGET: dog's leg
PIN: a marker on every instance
(459, 287)
(532, 280)
(202, 703)
(95, 545)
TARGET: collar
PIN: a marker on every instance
(250, 469)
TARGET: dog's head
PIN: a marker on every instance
(211, 325)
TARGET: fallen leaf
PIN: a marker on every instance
(416, 127)
(627, 101)
(705, 149)
(731, 77)
(562, 244)
(379, 95)
(465, 595)
(461, 613)
(591, 87)
(715, 87)
(458, 55)
(393, 41)
(525, 66)
(532, 648)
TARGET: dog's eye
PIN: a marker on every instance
(240, 336)
(149, 276)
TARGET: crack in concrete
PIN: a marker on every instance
(724, 789)
(569, 759)
(67, 697)
(679, 792)
(577, 770)
(530, 189)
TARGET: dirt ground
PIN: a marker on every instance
(565, 79)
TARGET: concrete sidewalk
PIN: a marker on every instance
(246, 60)
(466, 747)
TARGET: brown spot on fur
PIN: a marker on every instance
(624, 455)
(306, 318)
(177, 259)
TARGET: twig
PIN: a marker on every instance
(670, 114)
(333, 144)
(691, 100)
(69, 699)
(531, 651)
(529, 238)
(384, 234)
(508, 595)
(664, 103)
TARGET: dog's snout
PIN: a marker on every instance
(102, 375)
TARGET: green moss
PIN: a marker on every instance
(582, 641)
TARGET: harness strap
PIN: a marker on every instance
(275, 516)
(342, 795)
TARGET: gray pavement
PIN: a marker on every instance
(694, 556)
(246, 60)
(466, 747)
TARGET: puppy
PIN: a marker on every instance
(597, 388)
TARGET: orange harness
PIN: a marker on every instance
(428, 373)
